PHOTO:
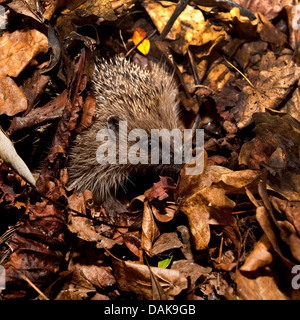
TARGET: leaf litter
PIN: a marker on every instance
(231, 232)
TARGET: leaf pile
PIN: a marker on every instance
(231, 232)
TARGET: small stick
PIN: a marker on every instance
(179, 8)
(124, 44)
(241, 73)
(221, 250)
(34, 287)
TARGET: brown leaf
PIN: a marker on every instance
(135, 277)
(290, 237)
(150, 230)
(270, 231)
(260, 152)
(190, 28)
(209, 204)
(165, 242)
(164, 214)
(88, 113)
(12, 98)
(162, 190)
(158, 197)
(132, 241)
(40, 115)
(191, 269)
(90, 263)
(82, 226)
(55, 49)
(158, 292)
(291, 107)
(34, 86)
(33, 245)
(291, 209)
(197, 212)
(188, 184)
(30, 8)
(275, 148)
(18, 48)
(274, 84)
(56, 159)
(70, 286)
(264, 287)
(186, 242)
(294, 32)
(269, 33)
(100, 8)
(260, 256)
(269, 8)
(221, 177)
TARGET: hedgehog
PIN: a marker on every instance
(124, 92)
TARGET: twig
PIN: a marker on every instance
(34, 287)
(179, 8)
(112, 255)
(240, 72)
(220, 250)
(121, 37)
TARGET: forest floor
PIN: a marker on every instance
(231, 232)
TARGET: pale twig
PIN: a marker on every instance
(35, 287)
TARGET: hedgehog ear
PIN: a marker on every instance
(112, 123)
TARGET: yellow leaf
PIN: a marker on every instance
(138, 36)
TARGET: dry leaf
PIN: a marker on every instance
(291, 107)
(18, 48)
(34, 86)
(136, 278)
(88, 113)
(272, 87)
(197, 212)
(150, 230)
(99, 8)
(269, 8)
(158, 197)
(290, 209)
(208, 203)
(40, 115)
(269, 33)
(264, 287)
(70, 286)
(82, 226)
(276, 148)
(191, 269)
(292, 12)
(91, 264)
(260, 256)
(12, 98)
(290, 237)
(186, 242)
(29, 10)
(138, 35)
(165, 242)
(190, 28)
(269, 228)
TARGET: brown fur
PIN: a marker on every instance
(146, 100)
